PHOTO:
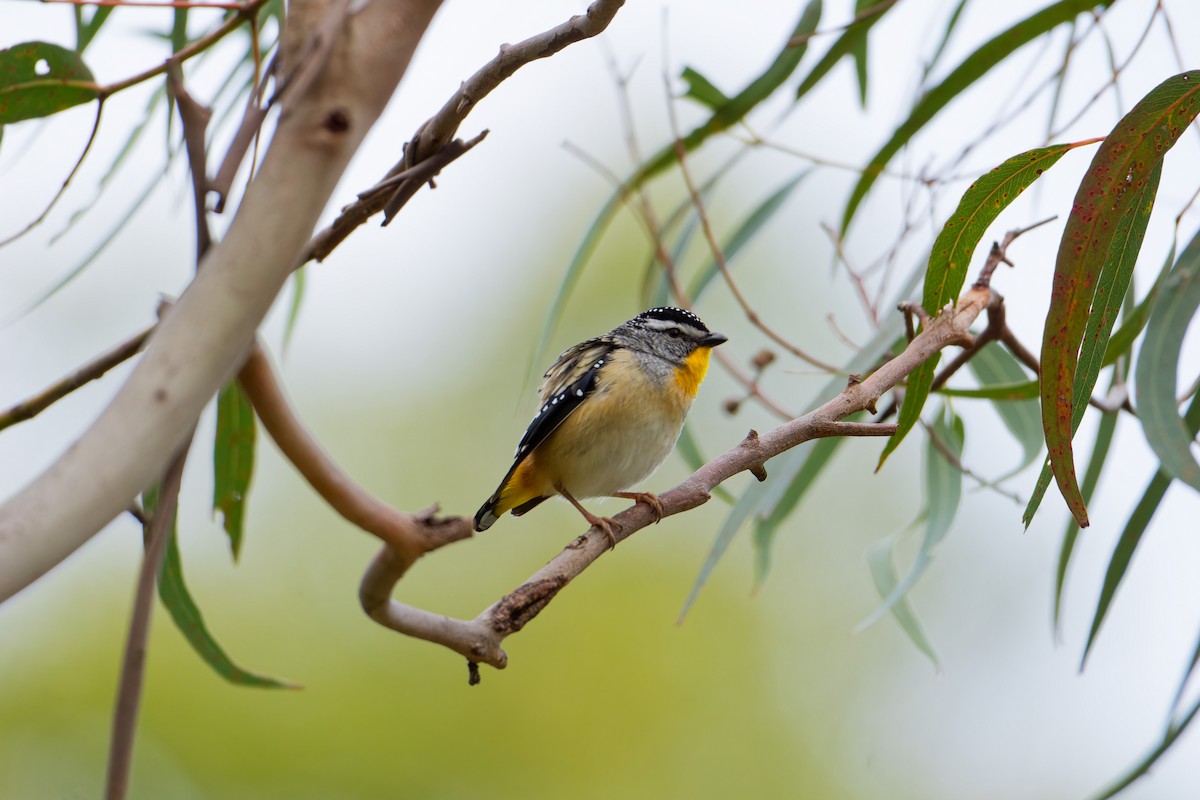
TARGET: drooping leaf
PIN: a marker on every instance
(858, 50)
(299, 283)
(741, 510)
(38, 79)
(951, 25)
(85, 32)
(1091, 478)
(738, 106)
(187, 617)
(1174, 730)
(951, 256)
(766, 527)
(854, 35)
(1106, 224)
(1115, 271)
(882, 563)
(943, 491)
(233, 460)
(1158, 363)
(702, 90)
(1131, 536)
(995, 366)
(974, 67)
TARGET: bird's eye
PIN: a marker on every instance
(674, 333)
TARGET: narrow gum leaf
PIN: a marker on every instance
(1131, 536)
(1158, 365)
(1123, 166)
(233, 460)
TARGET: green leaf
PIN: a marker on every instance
(85, 32)
(916, 392)
(1111, 287)
(951, 25)
(951, 255)
(854, 36)
(299, 282)
(741, 104)
(702, 90)
(974, 67)
(818, 455)
(745, 232)
(1121, 342)
(1107, 223)
(1157, 366)
(38, 79)
(187, 617)
(943, 491)
(858, 50)
(1025, 390)
(741, 510)
(882, 563)
(1091, 478)
(789, 469)
(1174, 730)
(1131, 536)
(996, 367)
(233, 460)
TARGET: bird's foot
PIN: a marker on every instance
(646, 498)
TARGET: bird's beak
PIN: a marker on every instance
(714, 339)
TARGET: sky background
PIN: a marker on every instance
(411, 361)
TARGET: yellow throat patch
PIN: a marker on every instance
(692, 371)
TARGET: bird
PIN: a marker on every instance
(611, 409)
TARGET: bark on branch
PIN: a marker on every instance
(208, 334)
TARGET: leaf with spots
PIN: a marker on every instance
(1111, 288)
(38, 79)
(1123, 167)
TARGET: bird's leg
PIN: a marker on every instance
(603, 523)
(647, 498)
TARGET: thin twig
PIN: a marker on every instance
(438, 131)
(31, 407)
(66, 182)
(194, 118)
(719, 255)
(243, 12)
(133, 666)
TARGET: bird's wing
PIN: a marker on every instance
(564, 388)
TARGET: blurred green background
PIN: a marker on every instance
(411, 363)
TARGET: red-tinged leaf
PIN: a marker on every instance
(38, 79)
(1113, 184)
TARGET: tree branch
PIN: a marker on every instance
(208, 334)
(480, 639)
(438, 131)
